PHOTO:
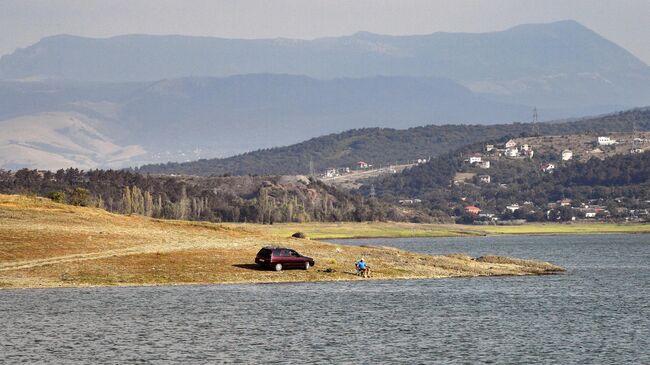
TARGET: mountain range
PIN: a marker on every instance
(178, 98)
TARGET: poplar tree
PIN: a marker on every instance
(127, 203)
(148, 204)
(137, 201)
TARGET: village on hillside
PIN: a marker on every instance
(551, 151)
(541, 153)
(547, 153)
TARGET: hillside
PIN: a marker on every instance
(556, 66)
(189, 118)
(45, 244)
(384, 146)
(59, 140)
(584, 146)
(246, 199)
(541, 188)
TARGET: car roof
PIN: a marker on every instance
(277, 248)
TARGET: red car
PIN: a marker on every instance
(281, 257)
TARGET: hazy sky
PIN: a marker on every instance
(23, 22)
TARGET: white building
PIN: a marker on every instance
(512, 152)
(567, 155)
(331, 172)
(484, 178)
(484, 164)
(410, 201)
(511, 144)
(606, 141)
(489, 147)
(475, 159)
(513, 207)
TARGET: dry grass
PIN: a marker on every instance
(44, 244)
(398, 230)
(362, 230)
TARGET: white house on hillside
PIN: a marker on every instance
(331, 172)
(475, 159)
(513, 207)
(484, 178)
(606, 141)
(567, 155)
(511, 144)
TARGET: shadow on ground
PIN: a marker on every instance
(250, 267)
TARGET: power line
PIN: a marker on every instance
(535, 122)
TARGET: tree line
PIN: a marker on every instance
(217, 199)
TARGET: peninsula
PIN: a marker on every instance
(47, 244)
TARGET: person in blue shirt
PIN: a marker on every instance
(362, 267)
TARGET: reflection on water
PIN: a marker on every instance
(597, 313)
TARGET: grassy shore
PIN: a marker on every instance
(399, 230)
(45, 244)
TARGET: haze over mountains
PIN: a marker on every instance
(178, 98)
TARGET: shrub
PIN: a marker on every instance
(79, 197)
(299, 235)
(57, 196)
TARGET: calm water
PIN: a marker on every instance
(597, 313)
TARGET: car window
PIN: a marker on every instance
(265, 252)
(294, 253)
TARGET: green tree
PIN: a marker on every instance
(58, 196)
(79, 197)
(148, 204)
(127, 201)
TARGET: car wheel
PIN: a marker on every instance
(307, 266)
(278, 267)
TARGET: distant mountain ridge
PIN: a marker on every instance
(556, 65)
(548, 48)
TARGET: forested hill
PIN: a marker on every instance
(619, 184)
(258, 199)
(389, 146)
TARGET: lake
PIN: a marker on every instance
(596, 313)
